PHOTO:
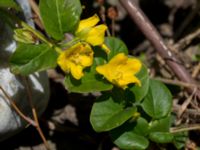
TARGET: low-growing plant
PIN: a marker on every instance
(133, 108)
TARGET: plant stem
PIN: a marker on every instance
(178, 83)
(18, 111)
(70, 43)
(36, 11)
(35, 8)
(182, 129)
(34, 122)
(34, 113)
(39, 129)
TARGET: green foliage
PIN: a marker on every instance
(158, 101)
(130, 140)
(29, 58)
(91, 82)
(131, 135)
(60, 16)
(180, 139)
(108, 113)
(161, 125)
(134, 116)
(161, 137)
(8, 4)
(116, 46)
(140, 92)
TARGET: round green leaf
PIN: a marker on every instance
(161, 125)
(140, 92)
(116, 46)
(30, 58)
(141, 127)
(130, 140)
(60, 16)
(131, 134)
(158, 101)
(180, 139)
(161, 137)
(108, 114)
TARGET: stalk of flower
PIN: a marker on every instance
(90, 32)
(74, 59)
(121, 70)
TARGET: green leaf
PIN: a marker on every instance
(140, 92)
(90, 82)
(161, 125)
(60, 16)
(29, 58)
(161, 137)
(130, 140)
(158, 101)
(180, 139)
(131, 134)
(116, 46)
(8, 4)
(108, 114)
(141, 127)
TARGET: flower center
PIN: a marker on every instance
(118, 75)
(75, 58)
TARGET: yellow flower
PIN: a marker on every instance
(75, 59)
(90, 32)
(121, 70)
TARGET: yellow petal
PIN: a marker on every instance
(89, 22)
(96, 35)
(120, 70)
(75, 59)
(118, 59)
(105, 48)
(131, 79)
(63, 63)
(135, 64)
(104, 70)
(77, 71)
(86, 61)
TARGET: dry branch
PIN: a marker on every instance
(157, 41)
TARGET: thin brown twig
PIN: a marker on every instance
(149, 30)
(187, 20)
(196, 71)
(34, 113)
(185, 104)
(28, 89)
(186, 40)
(15, 107)
(183, 129)
(178, 83)
(39, 129)
(188, 112)
(35, 8)
(34, 122)
(37, 18)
